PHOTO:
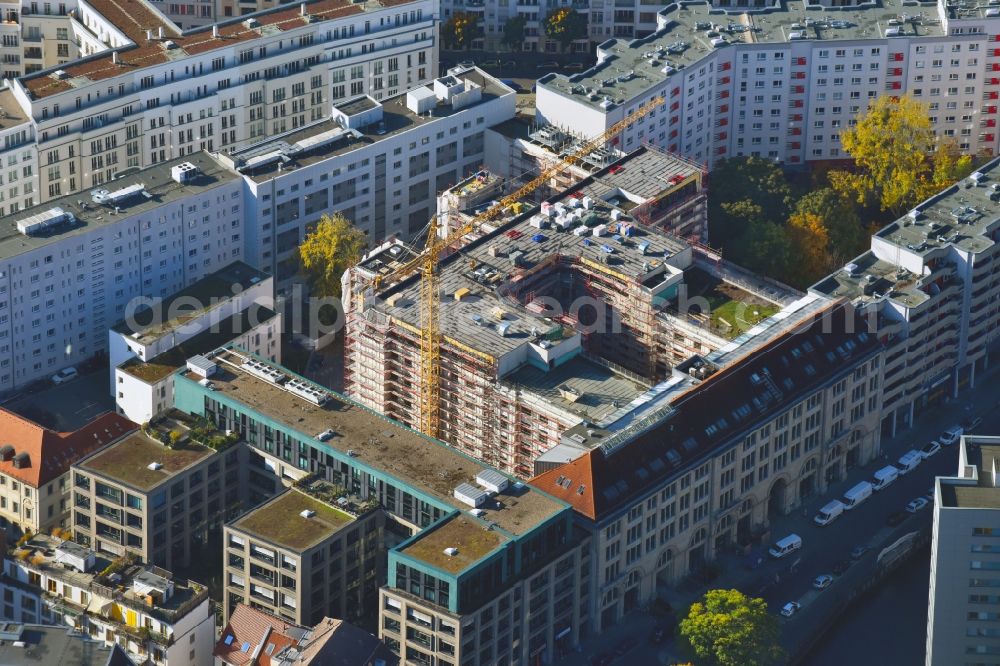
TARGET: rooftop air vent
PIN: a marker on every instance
(307, 513)
(183, 172)
(451, 552)
(154, 466)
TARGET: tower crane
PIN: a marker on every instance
(426, 263)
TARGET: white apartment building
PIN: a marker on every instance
(962, 620)
(778, 85)
(379, 163)
(154, 617)
(70, 267)
(156, 93)
(233, 305)
(928, 285)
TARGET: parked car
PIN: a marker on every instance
(512, 84)
(916, 504)
(791, 608)
(842, 565)
(574, 67)
(549, 66)
(465, 64)
(895, 518)
(325, 436)
(859, 550)
(929, 449)
(65, 375)
(950, 436)
(822, 582)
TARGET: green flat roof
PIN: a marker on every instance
(470, 537)
(127, 461)
(279, 521)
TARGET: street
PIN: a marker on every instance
(823, 546)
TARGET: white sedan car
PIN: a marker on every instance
(822, 582)
(916, 505)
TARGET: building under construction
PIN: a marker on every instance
(563, 315)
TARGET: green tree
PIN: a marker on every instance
(847, 238)
(565, 25)
(748, 189)
(327, 251)
(459, 31)
(728, 628)
(513, 32)
(890, 145)
(766, 249)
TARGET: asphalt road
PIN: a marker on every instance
(823, 546)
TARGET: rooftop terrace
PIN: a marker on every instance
(158, 184)
(466, 535)
(631, 68)
(378, 443)
(128, 461)
(280, 522)
(134, 18)
(10, 111)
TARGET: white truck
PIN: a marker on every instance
(829, 512)
(857, 495)
(885, 476)
(909, 461)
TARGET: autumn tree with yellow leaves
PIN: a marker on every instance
(458, 32)
(327, 251)
(898, 162)
(565, 25)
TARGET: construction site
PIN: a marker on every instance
(568, 313)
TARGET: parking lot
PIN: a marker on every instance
(67, 406)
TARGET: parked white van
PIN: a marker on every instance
(829, 512)
(782, 547)
(909, 461)
(885, 476)
(857, 495)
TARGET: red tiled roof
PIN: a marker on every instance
(710, 414)
(250, 628)
(51, 453)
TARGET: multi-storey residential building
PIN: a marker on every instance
(70, 268)
(624, 19)
(493, 570)
(234, 304)
(330, 642)
(158, 501)
(532, 304)
(154, 92)
(34, 468)
(928, 285)
(19, 642)
(779, 84)
(965, 567)
(155, 617)
(379, 163)
(721, 456)
(309, 553)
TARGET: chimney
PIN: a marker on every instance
(159, 32)
(149, 35)
(114, 57)
(302, 10)
(215, 31)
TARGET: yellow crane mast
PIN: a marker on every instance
(426, 262)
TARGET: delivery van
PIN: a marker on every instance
(885, 476)
(782, 547)
(909, 461)
(829, 512)
(857, 495)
